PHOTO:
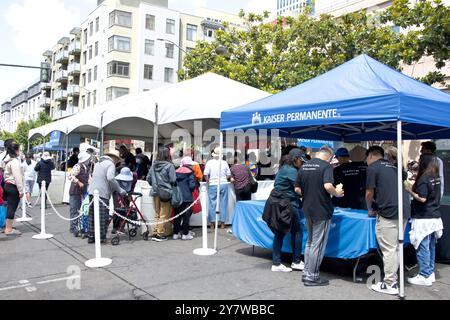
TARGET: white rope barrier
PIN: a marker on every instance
(62, 217)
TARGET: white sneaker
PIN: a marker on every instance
(432, 278)
(281, 268)
(420, 280)
(298, 266)
(192, 233)
(176, 236)
(382, 287)
(187, 237)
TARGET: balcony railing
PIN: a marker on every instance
(74, 47)
(62, 56)
(44, 102)
(73, 90)
(45, 85)
(61, 95)
(70, 110)
(74, 68)
(61, 75)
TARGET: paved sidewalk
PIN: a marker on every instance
(38, 269)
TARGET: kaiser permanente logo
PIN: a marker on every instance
(295, 116)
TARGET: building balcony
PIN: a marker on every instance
(75, 47)
(74, 68)
(46, 85)
(62, 56)
(60, 95)
(69, 111)
(61, 76)
(44, 102)
(73, 90)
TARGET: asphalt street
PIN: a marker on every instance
(54, 269)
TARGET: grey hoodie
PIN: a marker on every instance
(103, 179)
(162, 175)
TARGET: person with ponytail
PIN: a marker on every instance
(13, 190)
(29, 177)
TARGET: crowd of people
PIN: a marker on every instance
(311, 188)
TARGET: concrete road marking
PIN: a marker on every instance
(30, 288)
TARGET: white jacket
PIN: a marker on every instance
(28, 170)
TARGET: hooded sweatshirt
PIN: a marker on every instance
(162, 175)
(13, 172)
(44, 169)
(186, 183)
(103, 179)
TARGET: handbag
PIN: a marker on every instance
(253, 183)
(3, 211)
(177, 197)
(197, 207)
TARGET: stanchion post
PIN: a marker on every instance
(43, 235)
(98, 261)
(24, 217)
(204, 251)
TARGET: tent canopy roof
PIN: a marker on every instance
(359, 100)
(133, 115)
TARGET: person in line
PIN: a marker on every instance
(212, 175)
(240, 177)
(429, 147)
(162, 178)
(352, 175)
(142, 164)
(29, 177)
(79, 178)
(426, 225)
(73, 160)
(103, 180)
(284, 189)
(382, 202)
(186, 182)
(127, 156)
(44, 169)
(315, 183)
(13, 185)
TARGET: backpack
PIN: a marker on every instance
(177, 197)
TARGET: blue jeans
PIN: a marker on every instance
(426, 254)
(296, 240)
(212, 195)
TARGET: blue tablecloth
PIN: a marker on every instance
(352, 232)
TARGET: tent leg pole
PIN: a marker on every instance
(218, 192)
(67, 150)
(102, 142)
(400, 209)
(155, 135)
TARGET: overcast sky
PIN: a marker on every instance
(29, 27)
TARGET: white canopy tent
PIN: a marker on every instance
(178, 105)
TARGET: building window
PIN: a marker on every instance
(148, 72)
(97, 24)
(209, 33)
(89, 99)
(83, 101)
(118, 68)
(89, 75)
(168, 75)
(169, 50)
(119, 43)
(191, 32)
(150, 47)
(96, 48)
(91, 29)
(95, 73)
(120, 18)
(188, 49)
(115, 92)
(170, 26)
(149, 22)
(94, 97)
(83, 79)
(90, 52)
(84, 36)
(84, 57)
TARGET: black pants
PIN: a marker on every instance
(47, 185)
(244, 194)
(11, 195)
(182, 222)
(104, 219)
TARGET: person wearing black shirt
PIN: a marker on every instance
(127, 156)
(382, 202)
(352, 175)
(315, 184)
(73, 160)
(427, 224)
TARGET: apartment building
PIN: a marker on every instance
(293, 7)
(25, 105)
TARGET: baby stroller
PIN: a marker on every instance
(83, 220)
(126, 207)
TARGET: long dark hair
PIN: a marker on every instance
(164, 154)
(12, 149)
(28, 158)
(428, 166)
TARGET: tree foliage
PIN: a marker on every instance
(276, 56)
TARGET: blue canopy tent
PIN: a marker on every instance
(360, 100)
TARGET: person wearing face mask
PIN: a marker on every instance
(315, 182)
